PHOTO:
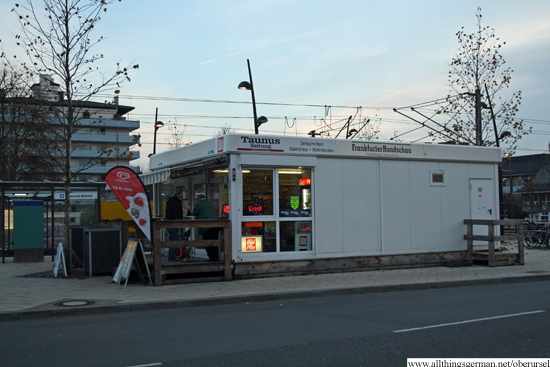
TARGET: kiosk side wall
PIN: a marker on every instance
(369, 207)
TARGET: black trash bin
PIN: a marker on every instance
(77, 244)
(102, 250)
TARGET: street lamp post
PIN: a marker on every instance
(503, 135)
(250, 86)
(158, 125)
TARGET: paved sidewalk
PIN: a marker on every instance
(23, 295)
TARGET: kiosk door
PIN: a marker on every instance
(482, 206)
(482, 199)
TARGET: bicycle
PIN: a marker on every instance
(536, 237)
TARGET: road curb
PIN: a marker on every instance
(215, 301)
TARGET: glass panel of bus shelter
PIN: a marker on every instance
(257, 192)
(295, 236)
(295, 194)
(258, 237)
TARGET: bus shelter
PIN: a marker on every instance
(44, 200)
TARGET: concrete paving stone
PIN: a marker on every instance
(150, 306)
(208, 302)
(415, 286)
(453, 283)
(381, 289)
(299, 294)
(94, 310)
(254, 298)
(9, 316)
(340, 291)
(40, 314)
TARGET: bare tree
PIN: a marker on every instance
(224, 129)
(368, 130)
(177, 135)
(23, 134)
(59, 43)
(479, 69)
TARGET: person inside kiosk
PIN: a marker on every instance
(204, 210)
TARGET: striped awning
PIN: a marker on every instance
(155, 177)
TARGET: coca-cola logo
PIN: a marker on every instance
(123, 175)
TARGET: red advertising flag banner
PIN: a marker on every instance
(130, 191)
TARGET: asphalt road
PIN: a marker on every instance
(494, 321)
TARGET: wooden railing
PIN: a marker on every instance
(491, 238)
(161, 270)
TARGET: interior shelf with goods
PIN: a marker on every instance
(258, 193)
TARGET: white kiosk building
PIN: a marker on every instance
(309, 205)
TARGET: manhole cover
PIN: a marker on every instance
(74, 303)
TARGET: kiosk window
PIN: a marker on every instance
(437, 178)
(258, 192)
(294, 192)
(295, 236)
(258, 237)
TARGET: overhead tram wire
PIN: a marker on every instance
(174, 99)
(331, 124)
(325, 106)
(417, 105)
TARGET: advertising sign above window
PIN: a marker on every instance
(254, 143)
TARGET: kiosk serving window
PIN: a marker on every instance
(257, 192)
(283, 224)
(294, 192)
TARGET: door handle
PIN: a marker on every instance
(491, 211)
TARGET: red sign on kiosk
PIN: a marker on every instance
(251, 243)
(304, 181)
(256, 208)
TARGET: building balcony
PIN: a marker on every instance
(129, 125)
(106, 138)
(90, 154)
(99, 169)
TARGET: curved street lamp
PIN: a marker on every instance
(158, 125)
(250, 86)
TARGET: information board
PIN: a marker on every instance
(59, 261)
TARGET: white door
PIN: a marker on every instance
(483, 206)
(482, 199)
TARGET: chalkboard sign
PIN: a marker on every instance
(133, 255)
(59, 261)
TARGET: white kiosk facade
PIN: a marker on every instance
(306, 205)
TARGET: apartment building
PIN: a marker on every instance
(104, 138)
